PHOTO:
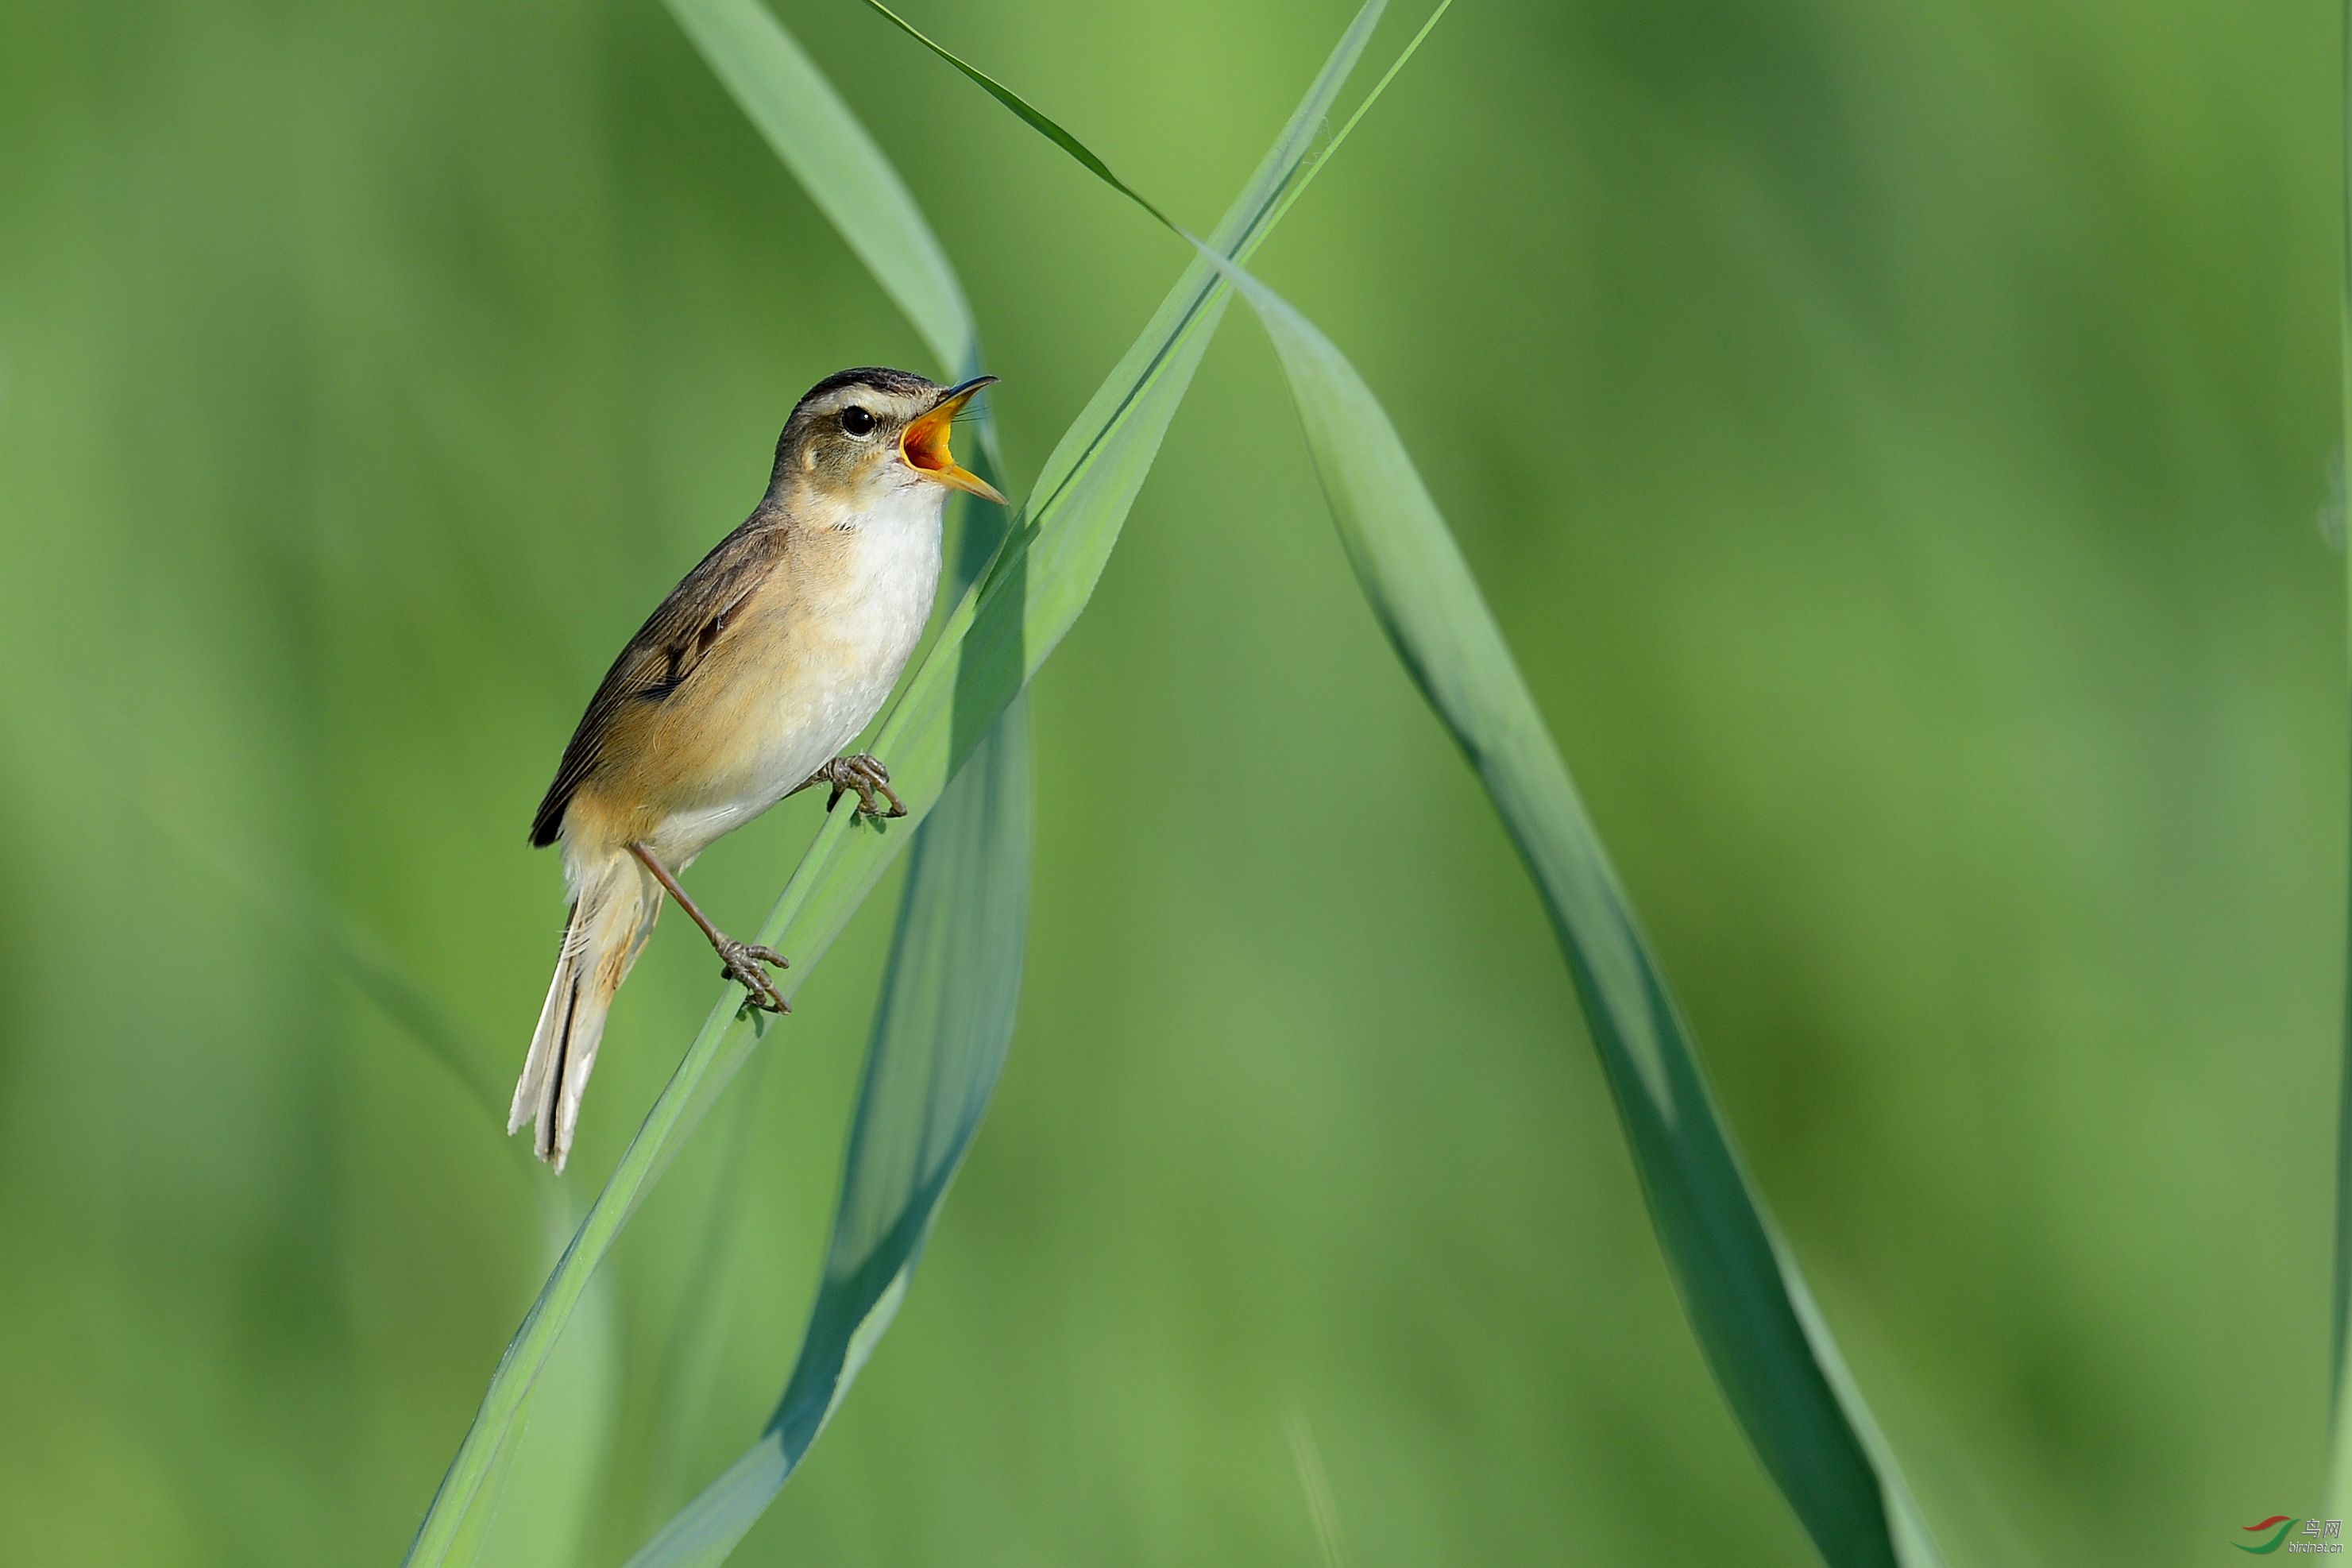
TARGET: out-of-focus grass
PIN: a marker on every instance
(1890, 441)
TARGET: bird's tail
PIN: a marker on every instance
(614, 907)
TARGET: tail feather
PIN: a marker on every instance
(613, 912)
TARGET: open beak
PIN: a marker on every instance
(924, 444)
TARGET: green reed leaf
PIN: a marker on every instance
(1770, 1352)
(1774, 1357)
(1020, 106)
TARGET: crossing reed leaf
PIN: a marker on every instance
(1771, 1351)
(1765, 1339)
(1020, 106)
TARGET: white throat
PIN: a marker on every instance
(884, 598)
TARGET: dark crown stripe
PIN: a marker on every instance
(879, 378)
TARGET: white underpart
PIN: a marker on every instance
(874, 617)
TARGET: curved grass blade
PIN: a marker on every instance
(1770, 1352)
(1052, 131)
(1003, 629)
(1018, 105)
(1764, 1337)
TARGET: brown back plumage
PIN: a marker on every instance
(673, 643)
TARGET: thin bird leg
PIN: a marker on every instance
(862, 773)
(743, 959)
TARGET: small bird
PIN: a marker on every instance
(742, 687)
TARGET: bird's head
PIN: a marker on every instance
(862, 435)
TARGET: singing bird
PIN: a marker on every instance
(742, 687)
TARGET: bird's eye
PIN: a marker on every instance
(856, 421)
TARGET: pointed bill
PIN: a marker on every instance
(924, 444)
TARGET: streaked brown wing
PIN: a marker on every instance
(698, 615)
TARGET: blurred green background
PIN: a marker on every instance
(1894, 440)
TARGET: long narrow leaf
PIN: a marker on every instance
(1005, 625)
(1769, 1349)
(1052, 131)
(1765, 1339)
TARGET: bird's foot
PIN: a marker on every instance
(741, 965)
(864, 774)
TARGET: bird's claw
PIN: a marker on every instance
(865, 777)
(741, 962)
